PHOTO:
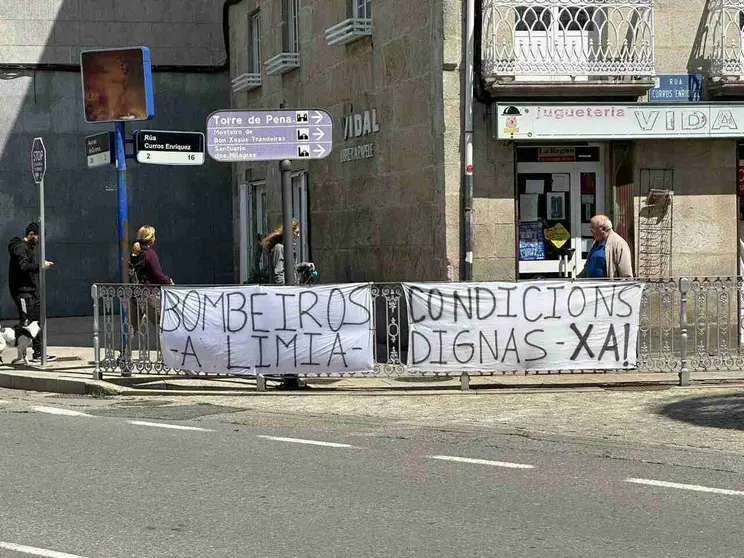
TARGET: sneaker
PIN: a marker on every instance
(37, 359)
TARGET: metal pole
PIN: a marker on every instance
(96, 333)
(123, 223)
(289, 264)
(42, 274)
(684, 372)
(468, 186)
(123, 202)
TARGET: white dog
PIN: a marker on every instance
(22, 342)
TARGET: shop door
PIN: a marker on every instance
(555, 198)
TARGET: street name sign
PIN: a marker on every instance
(38, 160)
(238, 136)
(98, 150)
(156, 147)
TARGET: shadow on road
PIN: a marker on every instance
(716, 411)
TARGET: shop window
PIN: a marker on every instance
(254, 54)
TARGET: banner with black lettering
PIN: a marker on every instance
(546, 325)
(268, 330)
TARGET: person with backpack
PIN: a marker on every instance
(145, 269)
(273, 247)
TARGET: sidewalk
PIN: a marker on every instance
(70, 339)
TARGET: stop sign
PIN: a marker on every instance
(38, 160)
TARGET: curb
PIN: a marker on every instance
(32, 381)
(29, 381)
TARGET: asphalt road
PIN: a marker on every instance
(114, 482)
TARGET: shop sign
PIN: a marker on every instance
(571, 121)
(556, 155)
(357, 126)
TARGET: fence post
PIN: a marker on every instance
(464, 381)
(96, 334)
(684, 372)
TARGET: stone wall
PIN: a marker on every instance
(373, 219)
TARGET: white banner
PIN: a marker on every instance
(571, 121)
(546, 325)
(268, 330)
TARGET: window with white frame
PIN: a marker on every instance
(291, 10)
(301, 213)
(363, 9)
(255, 42)
(254, 225)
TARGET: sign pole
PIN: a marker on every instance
(42, 275)
(38, 170)
(289, 264)
(123, 201)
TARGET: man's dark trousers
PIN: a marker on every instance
(29, 310)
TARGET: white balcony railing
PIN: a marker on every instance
(282, 63)
(557, 40)
(246, 82)
(727, 28)
(348, 31)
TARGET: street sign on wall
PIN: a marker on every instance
(155, 147)
(681, 88)
(239, 136)
(98, 150)
(38, 160)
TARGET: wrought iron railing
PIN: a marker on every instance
(685, 325)
(568, 39)
(726, 26)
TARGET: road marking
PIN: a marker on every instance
(482, 462)
(169, 426)
(695, 487)
(58, 411)
(308, 442)
(36, 551)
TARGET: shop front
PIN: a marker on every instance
(665, 175)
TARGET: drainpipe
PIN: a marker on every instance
(468, 210)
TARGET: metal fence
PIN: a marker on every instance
(684, 325)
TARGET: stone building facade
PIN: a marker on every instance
(41, 95)
(387, 204)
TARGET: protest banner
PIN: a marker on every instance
(268, 330)
(546, 325)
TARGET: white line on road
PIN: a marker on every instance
(36, 551)
(694, 487)
(308, 442)
(482, 462)
(169, 426)
(58, 411)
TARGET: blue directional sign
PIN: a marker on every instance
(682, 88)
(239, 136)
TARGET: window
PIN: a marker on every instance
(291, 9)
(300, 212)
(254, 225)
(255, 43)
(363, 9)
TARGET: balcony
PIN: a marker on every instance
(348, 31)
(568, 47)
(726, 25)
(282, 63)
(246, 82)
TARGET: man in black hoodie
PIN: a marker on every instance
(22, 274)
